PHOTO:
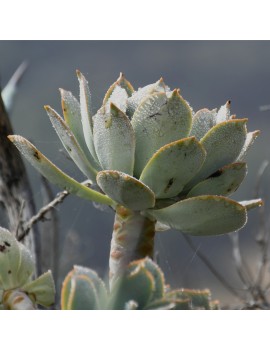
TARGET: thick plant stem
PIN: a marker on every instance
(133, 239)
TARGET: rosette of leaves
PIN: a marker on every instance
(153, 160)
(142, 286)
(18, 291)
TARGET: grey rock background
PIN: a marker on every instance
(207, 72)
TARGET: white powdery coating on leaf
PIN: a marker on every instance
(202, 122)
(119, 98)
(138, 96)
(223, 113)
(71, 145)
(159, 121)
(251, 137)
(114, 141)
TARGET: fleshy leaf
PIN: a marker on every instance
(83, 295)
(203, 121)
(250, 204)
(153, 268)
(42, 289)
(86, 114)
(83, 290)
(54, 174)
(71, 145)
(118, 98)
(223, 114)
(139, 95)
(172, 167)
(16, 262)
(72, 114)
(223, 143)
(159, 121)
(126, 190)
(223, 182)
(114, 140)
(203, 215)
(250, 138)
(136, 284)
(121, 82)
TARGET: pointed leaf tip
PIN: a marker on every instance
(250, 204)
(121, 77)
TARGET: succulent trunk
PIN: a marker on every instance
(132, 239)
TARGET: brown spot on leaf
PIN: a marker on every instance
(216, 174)
(170, 183)
(2, 248)
(36, 155)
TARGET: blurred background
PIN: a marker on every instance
(208, 73)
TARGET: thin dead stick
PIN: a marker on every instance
(242, 271)
(209, 265)
(263, 243)
(45, 209)
(42, 212)
(262, 238)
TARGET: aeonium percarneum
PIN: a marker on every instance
(152, 159)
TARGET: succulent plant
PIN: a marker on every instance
(17, 289)
(142, 286)
(152, 159)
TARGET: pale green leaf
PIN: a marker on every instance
(203, 215)
(126, 190)
(136, 284)
(224, 182)
(42, 289)
(159, 121)
(172, 166)
(54, 174)
(250, 138)
(202, 122)
(223, 114)
(83, 290)
(86, 114)
(16, 262)
(121, 82)
(153, 268)
(71, 145)
(142, 93)
(114, 140)
(118, 98)
(72, 114)
(223, 143)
